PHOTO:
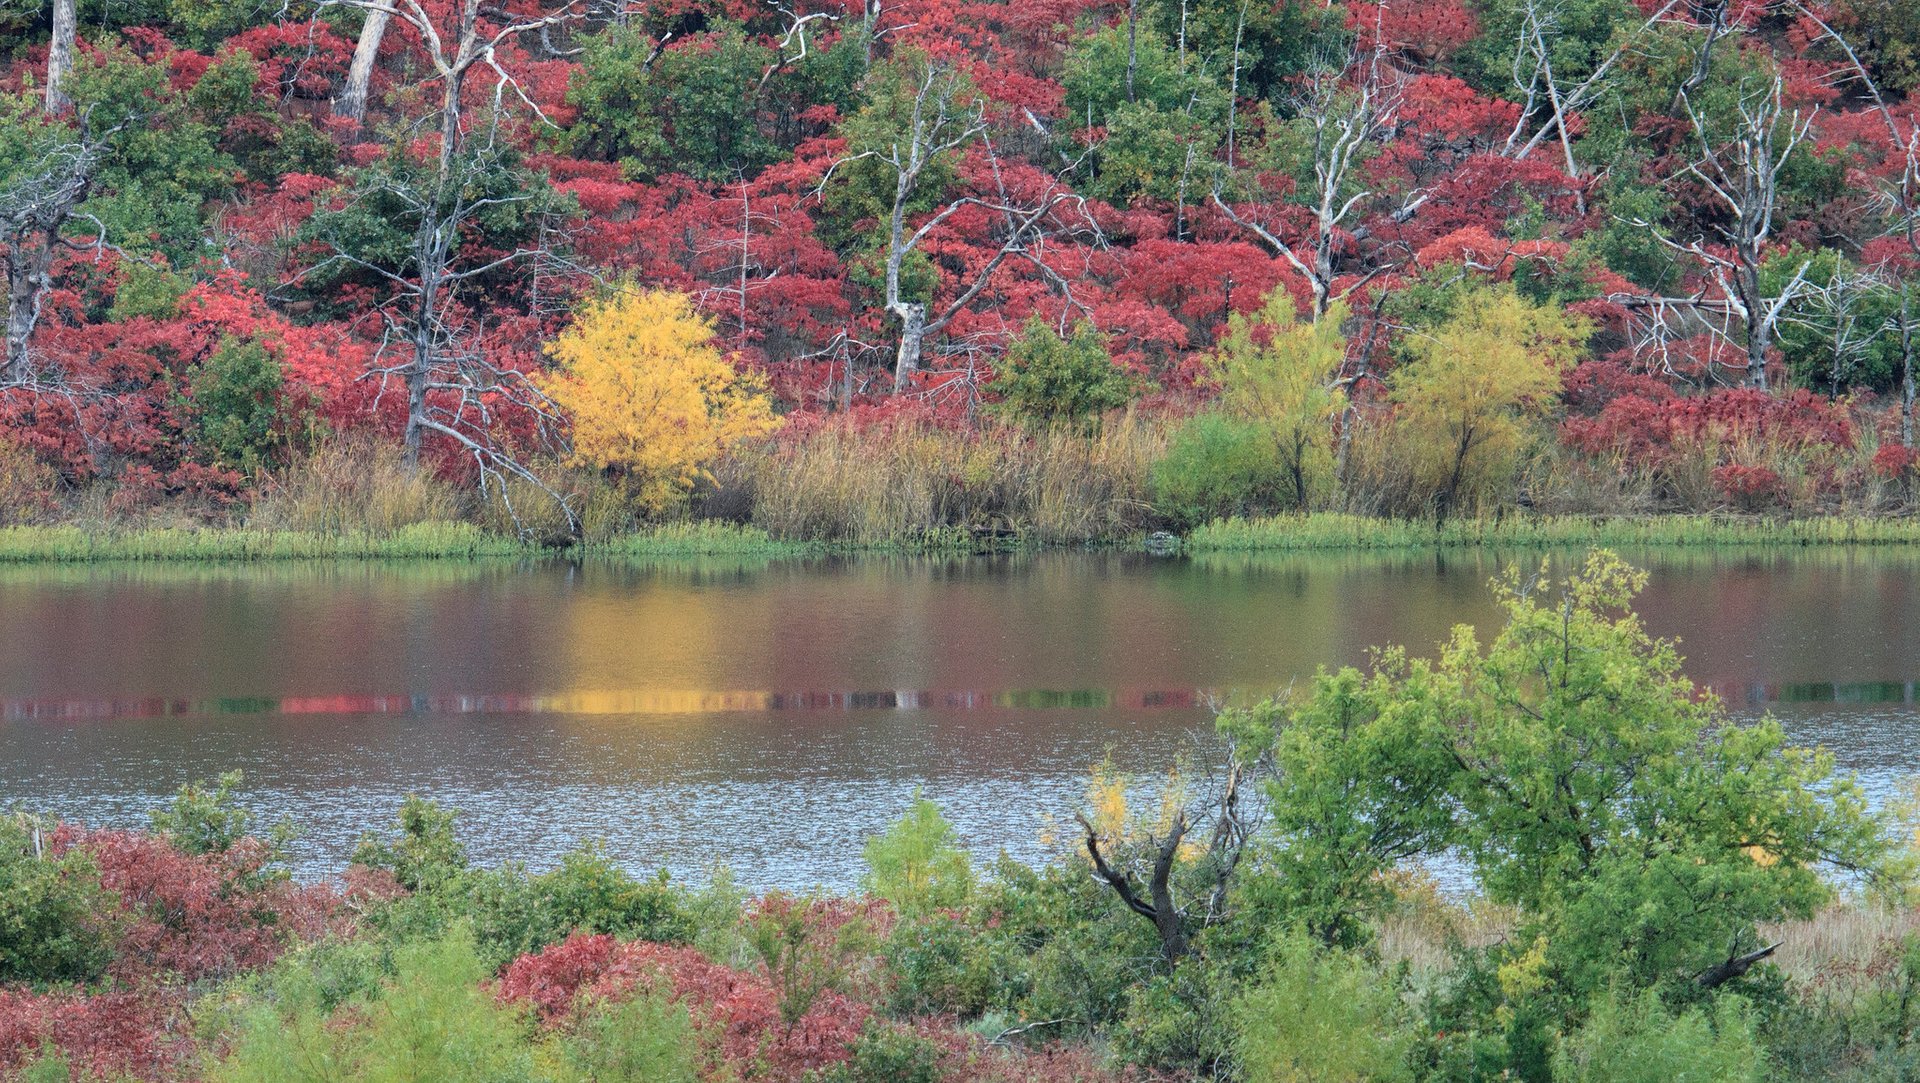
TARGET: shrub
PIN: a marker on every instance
(57, 923)
(645, 1039)
(916, 865)
(1216, 467)
(425, 853)
(432, 1020)
(888, 1053)
(1637, 1040)
(1279, 374)
(1047, 379)
(202, 821)
(943, 964)
(1320, 1016)
(235, 395)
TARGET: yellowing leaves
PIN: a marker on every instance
(649, 396)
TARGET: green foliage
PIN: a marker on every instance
(1047, 379)
(646, 1038)
(864, 187)
(56, 922)
(203, 821)
(1216, 467)
(1637, 1040)
(918, 864)
(1361, 783)
(425, 853)
(152, 292)
(236, 401)
(434, 1019)
(1277, 42)
(1838, 338)
(1279, 373)
(162, 167)
(689, 111)
(888, 1053)
(805, 956)
(1157, 142)
(1582, 35)
(942, 962)
(1320, 1016)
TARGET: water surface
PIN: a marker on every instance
(772, 715)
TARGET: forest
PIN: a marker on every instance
(1541, 853)
(1057, 270)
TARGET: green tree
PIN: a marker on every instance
(1215, 467)
(918, 864)
(57, 923)
(1321, 1016)
(235, 399)
(1643, 834)
(424, 853)
(1279, 373)
(1473, 385)
(687, 107)
(1048, 379)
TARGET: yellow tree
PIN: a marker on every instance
(649, 396)
(1280, 374)
(1473, 385)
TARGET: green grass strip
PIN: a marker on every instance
(1327, 530)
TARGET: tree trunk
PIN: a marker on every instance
(1133, 53)
(913, 333)
(29, 265)
(60, 54)
(1906, 369)
(352, 102)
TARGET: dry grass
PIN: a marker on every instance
(353, 486)
(892, 486)
(1847, 948)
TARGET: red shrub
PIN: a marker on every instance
(103, 1035)
(737, 1011)
(1893, 460)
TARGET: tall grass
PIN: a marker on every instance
(22, 544)
(1329, 530)
(353, 486)
(915, 483)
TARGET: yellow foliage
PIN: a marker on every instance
(649, 395)
(1473, 384)
(1280, 374)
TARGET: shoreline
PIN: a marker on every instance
(1319, 531)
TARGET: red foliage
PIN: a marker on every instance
(737, 1012)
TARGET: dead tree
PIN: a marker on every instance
(36, 204)
(352, 102)
(60, 54)
(1742, 175)
(1343, 118)
(944, 120)
(1173, 918)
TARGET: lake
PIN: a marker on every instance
(770, 716)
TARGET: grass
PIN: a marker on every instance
(1353, 532)
(74, 544)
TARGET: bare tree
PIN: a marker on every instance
(452, 386)
(1222, 817)
(352, 102)
(1343, 118)
(1742, 174)
(60, 54)
(37, 201)
(943, 119)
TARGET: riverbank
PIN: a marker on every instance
(1324, 531)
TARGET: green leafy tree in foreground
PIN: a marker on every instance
(918, 865)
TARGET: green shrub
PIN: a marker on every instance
(1047, 379)
(916, 864)
(643, 1039)
(1638, 1040)
(942, 963)
(424, 854)
(56, 921)
(202, 820)
(434, 1020)
(1320, 1016)
(1217, 467)
(236, 398)
(888, 1053)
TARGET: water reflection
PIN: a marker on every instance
(771, 714)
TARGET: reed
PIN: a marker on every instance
(1328, 530)
(74, 544)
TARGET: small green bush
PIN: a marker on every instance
(1216, 467)
(643, 1039)
(917, 865)
(943, 963)
(1046, 379)
(236, 396)
(888, 1053)
(1321, 1016)
(1637, 1040)
(56, 921)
